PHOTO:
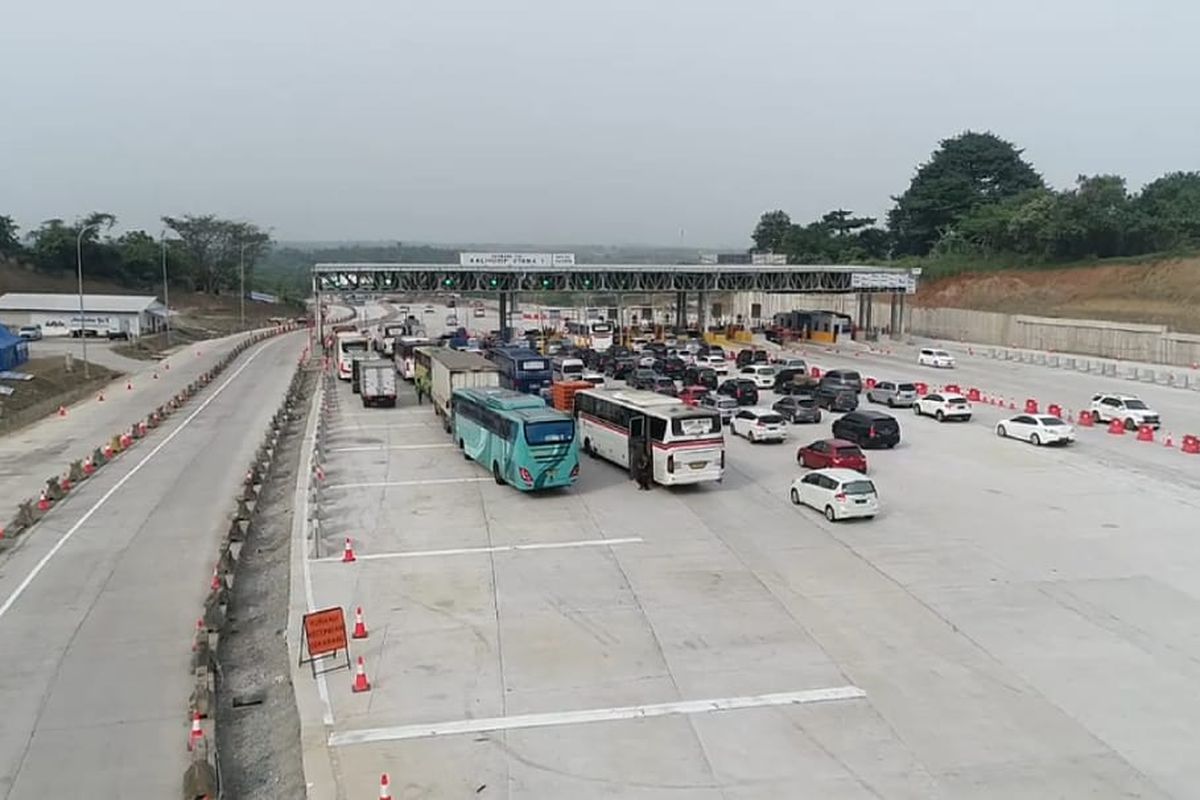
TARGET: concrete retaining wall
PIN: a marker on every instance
(1119, 340)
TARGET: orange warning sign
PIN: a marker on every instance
(325, 634)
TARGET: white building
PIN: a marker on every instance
(58, 314)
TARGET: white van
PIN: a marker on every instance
(565, 368)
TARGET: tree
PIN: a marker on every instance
(215, 249)
(141, 259)
(771, 229)
(10, 243)
(842, 222)
(1170, 206)
(966, 171)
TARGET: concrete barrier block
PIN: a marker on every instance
(200, 780)
(1147, 375)
(1052, 361)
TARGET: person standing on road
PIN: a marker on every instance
(644, 471)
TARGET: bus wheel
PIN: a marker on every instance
(587, 448)
(461, 446)
(496, 474)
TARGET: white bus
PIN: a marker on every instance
(565, 368)
(402, 353)
(345, 346)
(595, 334)
(686, 442)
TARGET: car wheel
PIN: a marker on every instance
(891, 403)
(830, 514)
(1130, 425)
(1001, 432)
(1035, 440)
(750, 436)
(916, 409)
(795, 497)
(939, 416)
(496, 476)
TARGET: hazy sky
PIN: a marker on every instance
(562, 121)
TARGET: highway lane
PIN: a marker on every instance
(98, 609)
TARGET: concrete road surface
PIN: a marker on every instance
(97, 609)
(100, 351)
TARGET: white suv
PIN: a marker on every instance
(943, 406)
(759, 424)
(1129, 408)
(932, 357)
(762, 375)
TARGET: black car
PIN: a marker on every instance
(740, 389)
(798, 408)
(671, 365)
(700, 376)
(664, 385)
(794, 380)
(620, 368)
(642, 378)
(836, 398)
(868, 429)
(747, 357)
(843, 379)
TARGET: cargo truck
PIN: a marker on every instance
(453, 369)
(377, 379)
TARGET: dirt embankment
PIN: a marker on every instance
(1163, 292)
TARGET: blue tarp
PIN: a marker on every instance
(14, 351)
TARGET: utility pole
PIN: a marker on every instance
(242, 272)
(87, 373)
(166, 290)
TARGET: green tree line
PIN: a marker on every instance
(978, 198)
(204, 253)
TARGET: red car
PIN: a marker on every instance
(832, 453)
(692, 394)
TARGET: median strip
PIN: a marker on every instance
(471, 551)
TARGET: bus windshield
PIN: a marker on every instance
(354, 346)
(550, 432)
(699, 425)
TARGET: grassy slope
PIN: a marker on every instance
(1165, 291)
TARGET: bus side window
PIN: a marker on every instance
(658, 428)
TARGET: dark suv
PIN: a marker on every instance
(620, 368)
(836, 398)
(642, 378)
(671, 365)
(664, 385)
(740, 389)
(843, 379)
(747, 357)
(868, 429)
(700, 376)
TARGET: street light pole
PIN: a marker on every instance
(166, 289)
(242, 271)
(87, 373)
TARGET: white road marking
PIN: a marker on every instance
(481, 725)
(354, 428)
(473, 551)
(389, 447)
(66, 537)
(300, 542)
(386, 484)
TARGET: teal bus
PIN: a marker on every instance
(523, 442)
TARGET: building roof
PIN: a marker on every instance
(111, 303)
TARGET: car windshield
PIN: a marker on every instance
(941, 354)
(805, 401)
(771, 419)
(958, 401)
(1137, 405)
(1052, 422)
(858, 487)
(885, 427)
(905, 387)
(551, 432)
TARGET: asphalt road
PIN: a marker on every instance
(1020, 621)
(98, 606)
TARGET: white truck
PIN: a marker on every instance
(386, 345)
(455, 369)
(378, 382)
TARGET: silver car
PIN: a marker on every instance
(725, 406)
(893, 394)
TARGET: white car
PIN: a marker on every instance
(647, 359)
(759, 424)
(719, 364)
(1129, 408)
(790, 362)
(30, 332)
(1036, 429)
(763, 375)
(594, 378)
(838, 493)
(943, 407)
(932, 357)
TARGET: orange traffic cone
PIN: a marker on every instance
(129, 386)
(200, 635)
(100, 397)
(65, 483)
(1169, 441)
(348, 553)
(361, 684)
(88, 466)
(385, 787)
(43, 502)
(360, 627)
(62, 411)
(320, 473)
(196, 736)
(215, 585)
